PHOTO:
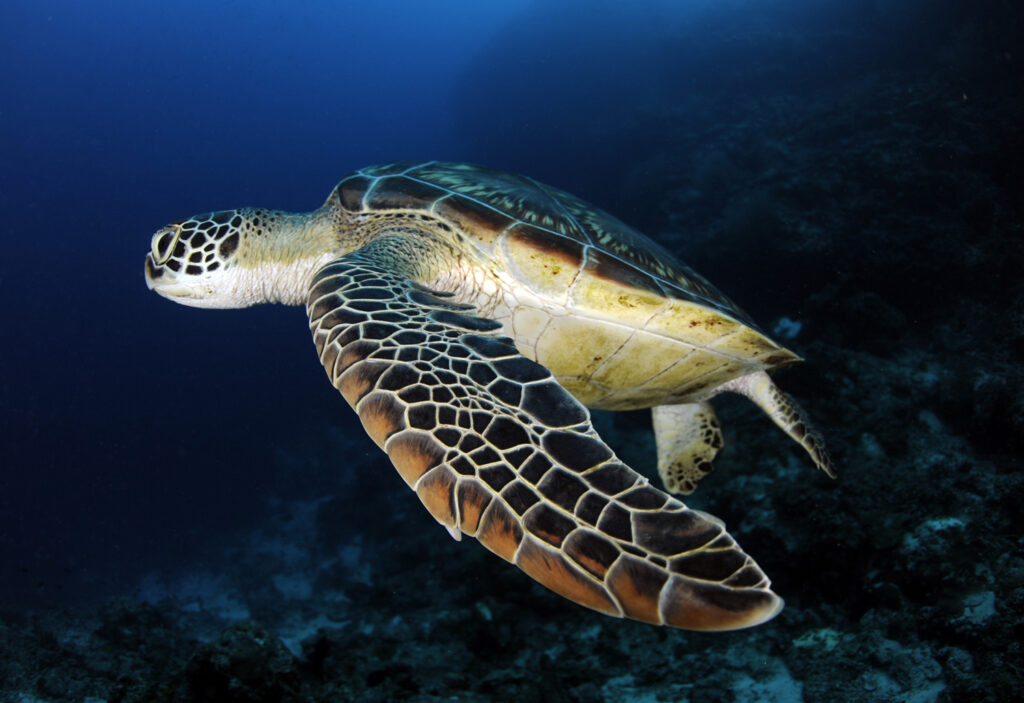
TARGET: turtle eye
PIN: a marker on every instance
(163, 243)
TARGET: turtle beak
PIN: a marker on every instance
(191, 290)
(164, 282)
(160, 249)
(153, 272)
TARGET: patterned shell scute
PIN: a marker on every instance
(488, 203)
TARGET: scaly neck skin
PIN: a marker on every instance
(238, 258)
(278, 258)
(282, 250)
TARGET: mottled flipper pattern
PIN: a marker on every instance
(496, 449)
(687, 436)
(786, 413)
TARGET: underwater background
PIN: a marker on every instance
(188, 511)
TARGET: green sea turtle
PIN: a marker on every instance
(470, 317)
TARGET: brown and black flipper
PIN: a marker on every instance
(496, 449)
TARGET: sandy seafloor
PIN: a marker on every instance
(878, 228)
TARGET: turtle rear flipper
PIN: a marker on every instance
(687, 436)
(786, 414)
(495, 448)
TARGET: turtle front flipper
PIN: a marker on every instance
(495, 448)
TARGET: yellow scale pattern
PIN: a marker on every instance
(557, 213)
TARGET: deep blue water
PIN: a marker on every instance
(137, 435)
(123, 439)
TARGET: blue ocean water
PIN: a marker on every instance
(113, 106)
(848, 172)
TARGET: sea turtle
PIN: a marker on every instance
(470, 317)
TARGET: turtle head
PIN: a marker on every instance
(238, 258)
